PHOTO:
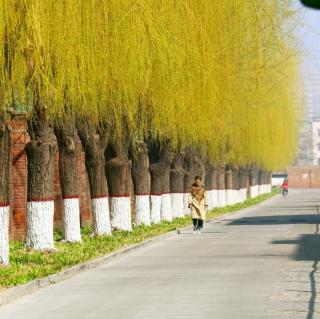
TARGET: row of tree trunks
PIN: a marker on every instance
(168, 182)
(5, 144)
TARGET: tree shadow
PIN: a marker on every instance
(308, 245)
(276, 219)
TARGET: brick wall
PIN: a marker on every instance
(304, 176)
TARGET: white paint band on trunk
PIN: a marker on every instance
(243, 195)
(254, 191)
(71, 220)
(177, 204)
(215, 198)
(143, 213)
(209, 199)
(101, 216)
(121, 213)
(221, 197)
(186, 209)
(4, 235)
(236, 196)
(269, 188)
(229, 196)
(39, 223)
(155, 208)
(166, 210)
(264, 189)
(260, 189)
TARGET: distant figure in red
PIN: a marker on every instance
(284, 187)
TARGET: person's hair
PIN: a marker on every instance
(198, 177)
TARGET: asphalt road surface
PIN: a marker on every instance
(262, 262)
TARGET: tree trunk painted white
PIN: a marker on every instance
(143, 213)
(229, 196)
(71, 220)
(101, 216)
(166, 210)
(235, 196)
(4, 234)
(221, 197)
(177, 204)
(39, 225)
(186, 209)
(120, 213)
(243, 195)
(239, 196)
(254, 191)
(214, 198)
(155, 208)
(210, 199)
(269, 188)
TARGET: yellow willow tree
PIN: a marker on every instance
(11, 20)
(266, 72)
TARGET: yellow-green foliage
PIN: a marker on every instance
(217, 75)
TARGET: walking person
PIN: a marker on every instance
(285, 187)
(198, 203)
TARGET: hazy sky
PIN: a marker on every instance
(309, 33)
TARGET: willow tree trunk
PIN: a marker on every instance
(160, 187)
(221, 185)
(118, 172)
(190, 173)
(243, 176)
(254, 189)
(211, 185)
(141, 183)
(177, 186)
(260, 182)
(5, 148)
(41, 152)
(269, 182)
(199, 167)
(187, 182)
(229, 187)
(94, 144)
(235, 185)
(67, 143)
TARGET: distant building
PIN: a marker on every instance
(309, 137)
(316, 142)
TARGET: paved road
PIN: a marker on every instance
(259, 263)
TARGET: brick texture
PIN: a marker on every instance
(304, 176)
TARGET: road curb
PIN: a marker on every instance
(12, 294)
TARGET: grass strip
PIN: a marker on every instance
(26, 265)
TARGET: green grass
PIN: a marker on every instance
(26, 265)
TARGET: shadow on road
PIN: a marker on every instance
(276, 219)
(308, 245)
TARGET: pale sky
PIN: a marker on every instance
(309, 34)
